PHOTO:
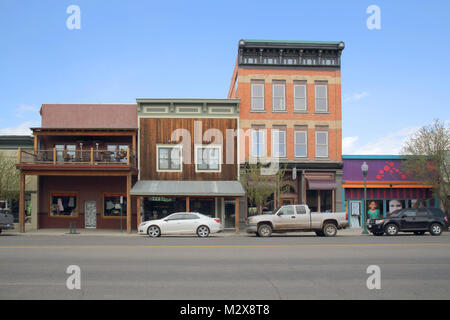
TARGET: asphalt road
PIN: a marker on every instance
(281, 267)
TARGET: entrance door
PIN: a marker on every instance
(90, 214)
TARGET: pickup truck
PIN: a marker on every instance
(6, 220)
(294, 218)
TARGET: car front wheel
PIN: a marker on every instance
(265, 230)
(391, 229)
(436, 229)
(154, 231)
(203, 231)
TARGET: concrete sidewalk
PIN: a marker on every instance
(118, 233)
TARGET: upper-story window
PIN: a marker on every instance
(258, 142)
(169, 158)
(301, 143)
(279, 96)
(279, 142)
(257, 95)
(300, 96)
(321, 144)
(321, 92)
(208, 158)
(116, 153)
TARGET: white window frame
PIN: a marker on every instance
(276, 133)
(306, 143)
(253, 96)
(327, 144)
(317, 85)
(208, 146)
(283, 108)
(160, 146)
(305, 107)
(263, 144)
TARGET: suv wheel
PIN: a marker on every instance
(391, 229)
(265, 230)
(436, 229)
(329, 230)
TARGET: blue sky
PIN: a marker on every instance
(394, 80)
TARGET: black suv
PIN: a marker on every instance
(417, 220)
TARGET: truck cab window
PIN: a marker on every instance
(300, 209)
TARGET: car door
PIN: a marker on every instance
(423, 219)
(190, 223)
(285, 218)
(408, 220)
(303, 221)
(173, 223)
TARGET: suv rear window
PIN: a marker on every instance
(436, 212)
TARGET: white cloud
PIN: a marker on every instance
(390, 144)
(26, 110)
(21, 129)
(348, 144)
(355, 96)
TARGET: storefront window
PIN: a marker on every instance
(326, 199)
(160, 207)
(374, 209)
(112, 205)
(312, 200)
(63, 204)
(395, 205)
(203, 205)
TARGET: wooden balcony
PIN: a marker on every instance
(90, 159)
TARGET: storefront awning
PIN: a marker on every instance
(187, 188)
(321, 184)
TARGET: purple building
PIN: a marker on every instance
(388, 187)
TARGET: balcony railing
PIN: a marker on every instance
(77, 157)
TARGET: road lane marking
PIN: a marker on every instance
(227, 246)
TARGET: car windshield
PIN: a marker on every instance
(396, 213)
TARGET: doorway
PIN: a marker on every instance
(90, 214)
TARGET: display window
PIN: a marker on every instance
(112, 206)
(63, 204)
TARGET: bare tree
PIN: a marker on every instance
(260, 187)
(427, 155)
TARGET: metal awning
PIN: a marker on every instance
(321, 184)
(187, 188)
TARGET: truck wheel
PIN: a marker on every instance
(329, 230)
(265, 230)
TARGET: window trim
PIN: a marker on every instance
(328, 147)
(282, 84)
(112, 194)
(63, 194)
(306, 98)
(208, 146)
(316, 85)
(252, 108)
(264, 145)
(159, 146)
(306, 143)
(273, 143)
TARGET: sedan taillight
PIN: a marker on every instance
(217, 220)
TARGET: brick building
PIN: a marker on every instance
(290, 110)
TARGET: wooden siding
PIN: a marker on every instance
(154, 131)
